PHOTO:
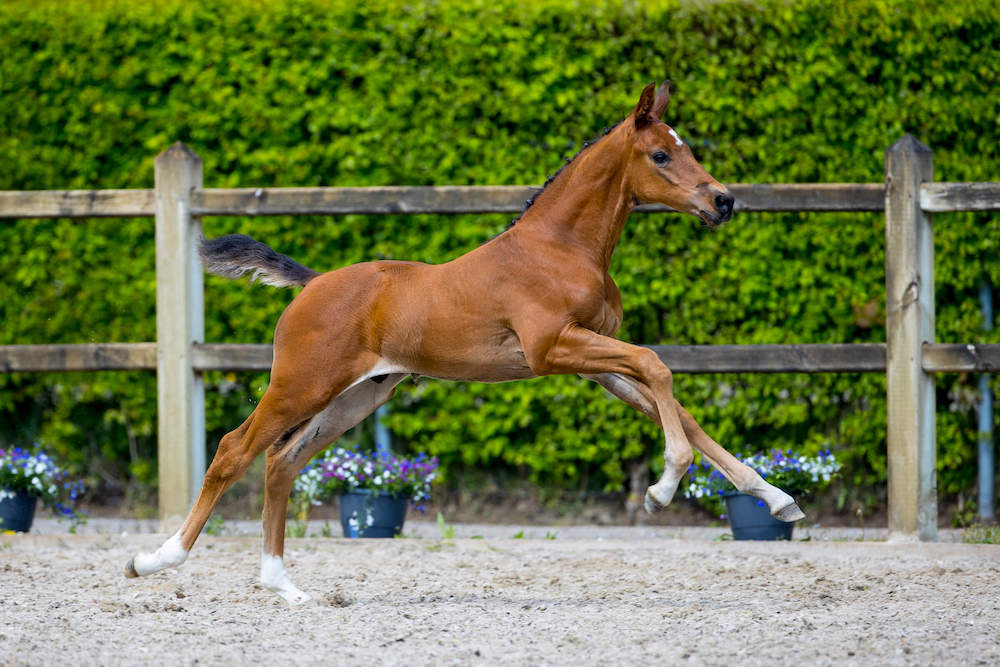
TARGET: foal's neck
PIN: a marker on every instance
(589, 201)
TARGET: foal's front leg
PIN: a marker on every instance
(650, 387)
(781, 505)
(746, 480)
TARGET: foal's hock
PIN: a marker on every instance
(351, 335)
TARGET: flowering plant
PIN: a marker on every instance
(791, 472)
(38, 475)
(341, 470)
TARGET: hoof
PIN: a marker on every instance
(651, 504)
(130, 572)
(295, 597)
(789, 513)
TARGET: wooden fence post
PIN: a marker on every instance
(909, 281)
(179, 323)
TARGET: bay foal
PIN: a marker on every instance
(535, 300)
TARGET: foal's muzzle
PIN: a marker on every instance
(724, 205)
(721, 209)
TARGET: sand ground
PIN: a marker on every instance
(591, 597)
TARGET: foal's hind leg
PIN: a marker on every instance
(744, 478)
(286, 459)
(277, 413)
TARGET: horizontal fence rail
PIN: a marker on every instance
(403, 200)
(688, 359)
(78, 357)
(508, 199)
(935, 197)
(950, 197)
(77, 203)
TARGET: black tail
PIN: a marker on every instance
(234, 255)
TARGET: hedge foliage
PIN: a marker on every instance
(327, 92)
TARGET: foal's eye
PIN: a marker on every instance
(661, 158)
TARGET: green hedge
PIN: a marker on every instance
(476, 92)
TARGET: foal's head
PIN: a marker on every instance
(662, 169)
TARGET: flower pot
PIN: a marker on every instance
(17, 512)
(367, 513)
(750, 519)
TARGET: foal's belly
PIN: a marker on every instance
(444, 323)
(473, 356)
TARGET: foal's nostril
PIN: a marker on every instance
(724, 202)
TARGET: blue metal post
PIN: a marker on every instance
(383, 441)
(987, 494)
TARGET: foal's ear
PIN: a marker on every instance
(662, 100)
(644, 108)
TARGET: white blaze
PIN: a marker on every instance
(676, 138)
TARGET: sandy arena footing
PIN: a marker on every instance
(591, 595)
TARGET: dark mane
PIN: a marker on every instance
(569, 160)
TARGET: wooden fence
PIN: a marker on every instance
(909, 357)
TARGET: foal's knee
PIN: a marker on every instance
(655, 371)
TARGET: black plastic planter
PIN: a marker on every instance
(367, 513)
(18, 512)
(750, 519)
